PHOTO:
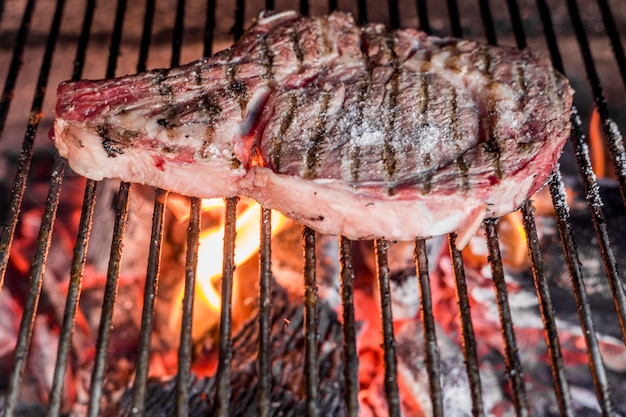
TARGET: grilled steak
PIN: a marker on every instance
(355, 130)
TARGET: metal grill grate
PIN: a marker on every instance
(394, 13)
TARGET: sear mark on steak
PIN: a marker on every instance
(352, 129)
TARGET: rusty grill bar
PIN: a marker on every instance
(514, 367)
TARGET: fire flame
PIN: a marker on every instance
(512, 244)
(210, 251)
(210, 262)
(596, 145)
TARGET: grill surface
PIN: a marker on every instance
(41, 35)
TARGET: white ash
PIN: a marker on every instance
(560, 200)
(618, 143)
(593, 194)
(412, 370)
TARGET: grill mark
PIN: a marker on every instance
(294, 37)
(522, 81)
(197, 74)
(484, 58)
(323, 31)
(114, 140)
(312, 160)
(112, 148)
(390, 52)
(355, 160)
(363, 46)
(554, 91)
(423, 104)
(461, 164)
(423, 108)
(267, 57)
(166, 96)
(209, 107)
(491, 146)
(277, 141)
(427, 183)
(389, 151)
(237, 88)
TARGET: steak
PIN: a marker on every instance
(356, 130)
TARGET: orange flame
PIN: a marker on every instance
(513, 237)
(512, 244)
(210, 251)
(596, 145)
(210, 262)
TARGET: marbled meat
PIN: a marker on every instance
(356, 130)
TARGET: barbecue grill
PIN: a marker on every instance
(43, 35)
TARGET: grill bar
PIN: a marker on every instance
(110, 295)
(551, 335)
(2, 4)
(516, 21)
(350, 358)
(264, 394)
(389, 343)
(490, 30)
(146, 36)
(616, 42)
(589, 179)
(154, 255)
(422, 14)
(559, 200)
(514, 369)
(35, 282)
(240, 14)
(7, 230)
(548, 27)
(362, 10)
(73, 296)
(304, 7)
(16, 64)
(455, 20)
(183, 376)
(79, 257)
(467, 328)
(209, 27)
(177, 39)
(121, 218)
(149, 300)
(582, 301)
(184, 350)
(611, 132)
(17, 194)
(222, 395)
(394, 14)
(514, 372)
(595, 204)
(433, 359)
(310, 323)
